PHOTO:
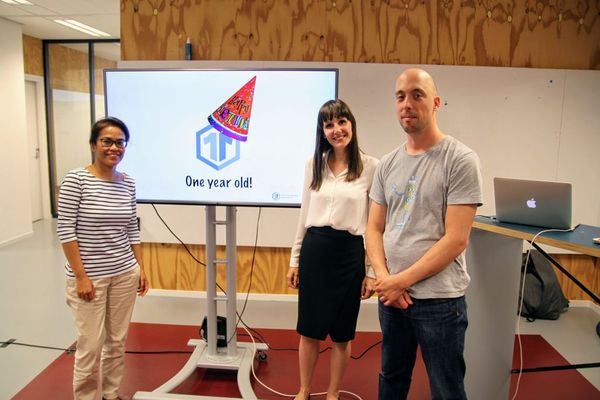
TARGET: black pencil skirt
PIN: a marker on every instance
(331, 272)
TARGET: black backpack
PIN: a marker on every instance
(543, 297)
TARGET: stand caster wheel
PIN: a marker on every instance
(262, 356)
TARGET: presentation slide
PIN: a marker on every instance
(230, 137)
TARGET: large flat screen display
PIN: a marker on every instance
(230, 137)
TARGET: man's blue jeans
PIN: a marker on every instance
(438, 326)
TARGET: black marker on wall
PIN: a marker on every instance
(188, 49)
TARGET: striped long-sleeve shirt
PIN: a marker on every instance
(101, 216)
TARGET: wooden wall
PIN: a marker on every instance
(518, 33)
(587, 271)
(68, 66)
(170, 266)
(33, 58)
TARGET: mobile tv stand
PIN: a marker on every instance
(237, 356)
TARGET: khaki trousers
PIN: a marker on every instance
(102, 326)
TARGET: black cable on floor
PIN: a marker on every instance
(358, 357)
(258, 336)
(239, 315)
(555, 368)
(37, 346)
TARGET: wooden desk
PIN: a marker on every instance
(494, 263)
(579, 240)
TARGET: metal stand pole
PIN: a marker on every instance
(238, 356)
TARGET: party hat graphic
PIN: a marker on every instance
(232, 118)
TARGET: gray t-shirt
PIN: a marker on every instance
(416, 191)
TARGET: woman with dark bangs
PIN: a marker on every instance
(327, 264)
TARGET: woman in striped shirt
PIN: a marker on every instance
(97, 226)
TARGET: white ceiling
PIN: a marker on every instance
(37, 20)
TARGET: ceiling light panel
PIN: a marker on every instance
(73, 24)
(18, 2)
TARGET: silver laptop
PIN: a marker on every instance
(538, 203)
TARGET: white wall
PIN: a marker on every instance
(15, 207)
(526, 123)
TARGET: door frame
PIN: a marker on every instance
(43, 142)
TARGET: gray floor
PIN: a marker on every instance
(32, 306)
(33, 310)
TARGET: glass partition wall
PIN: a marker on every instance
(74, 89)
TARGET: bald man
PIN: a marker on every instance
(424, 197)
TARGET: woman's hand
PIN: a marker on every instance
(292, 277)
(368, 288)
(143, 286)
(85, 288)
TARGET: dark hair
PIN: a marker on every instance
(330, 110)
(105, 122)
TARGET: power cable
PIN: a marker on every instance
(520, 370)
(240, 314)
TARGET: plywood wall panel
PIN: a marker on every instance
(68, 66)
(519, 33)
(33, 58)
(585, 269)
(69, 69)
(169, 266)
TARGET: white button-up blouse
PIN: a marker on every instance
(339, 204)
